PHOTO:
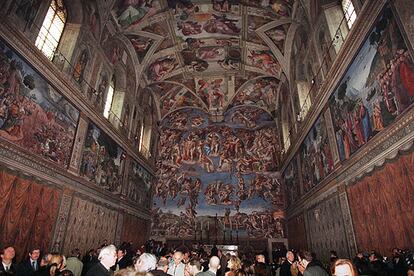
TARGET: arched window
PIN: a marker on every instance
(303, 88)
(349, 12)
(52, 28)
(109, 98)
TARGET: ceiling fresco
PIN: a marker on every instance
(214, 69)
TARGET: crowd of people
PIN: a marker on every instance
(160, 260)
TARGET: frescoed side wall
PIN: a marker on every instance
(374, 93)
(291, 181)
(376, 89)
(33, 115)
(217, 178)
(316, 155)
(103, 160)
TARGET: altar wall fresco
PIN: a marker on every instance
(218, 176)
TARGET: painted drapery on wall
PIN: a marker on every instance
(382, 205)
(28, 212)
(89, 225)
(102, 160)
(133, 225)
(296, 229)
(316, 155)
(377, 87)
(33, 115)
(216, 177)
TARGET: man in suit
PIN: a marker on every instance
(7, 254)
(177, 267)
(74, 264)
(213, 266)
(285, 268)
(107, 258)
(29, 266)
(308, 266)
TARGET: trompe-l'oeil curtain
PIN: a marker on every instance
(382, 207)
(28, 212)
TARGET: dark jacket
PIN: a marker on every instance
(25, 268)
(12, 270)
(315, 270)
(285, 269)
(98, 270)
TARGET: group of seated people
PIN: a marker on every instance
(160, 261)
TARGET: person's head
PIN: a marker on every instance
(107, 256)
(163, 264)
(234, 263)
(343, 267)
(260, 258)
(290, 256)
(120, 253)
(7, 254)
(192, 268)
(145, 263)
(127, 272)
(34, 253)
(374, 256)
(56, 263)
(177, 257)
(214, 263)
(75, 253)
(305, 257)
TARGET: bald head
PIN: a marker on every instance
(178, 257)
(214, 263)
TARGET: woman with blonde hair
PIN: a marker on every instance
(234, 264)
(343, 267)
(54, 267)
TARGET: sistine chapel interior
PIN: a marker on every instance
(264, 125)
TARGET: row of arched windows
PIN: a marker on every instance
(107, 95)
(306, 79)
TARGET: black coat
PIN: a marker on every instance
(25, 268)
(285, 269)
(98, 270)
(12, 270)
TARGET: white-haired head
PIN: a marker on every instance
(107, 255)
(146, 262)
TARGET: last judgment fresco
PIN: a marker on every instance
(218, 178)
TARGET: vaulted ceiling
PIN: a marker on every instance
(209, 54)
